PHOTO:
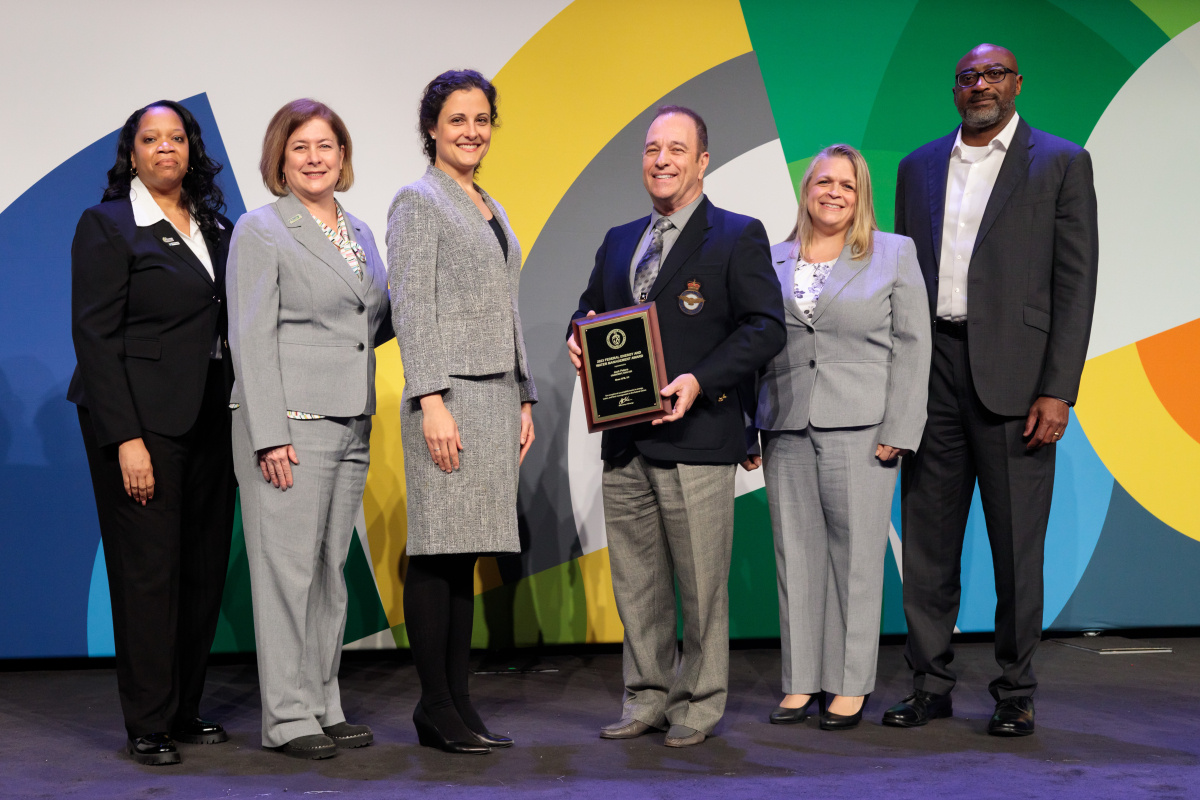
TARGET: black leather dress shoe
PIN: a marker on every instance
(313, 746)
(153, 749)
(346, 735)
(791, 716)
(199, 731)
(917, 709)
(1013, 717)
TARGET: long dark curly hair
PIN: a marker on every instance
(201, 194)
(434, 97)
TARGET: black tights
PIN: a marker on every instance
(439, 609)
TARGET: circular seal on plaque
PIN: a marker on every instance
(616, 338)
(691, 302)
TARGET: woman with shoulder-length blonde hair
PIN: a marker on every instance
(837, 408)
(308, 303)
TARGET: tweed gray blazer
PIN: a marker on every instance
(864, 359)
(454, 296)
(302, 328)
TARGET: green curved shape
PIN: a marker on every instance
(1172, 16)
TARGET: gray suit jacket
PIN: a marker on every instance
(302, 328)
(864, 359)
(454, 299)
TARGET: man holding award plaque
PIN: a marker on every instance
(687, 294)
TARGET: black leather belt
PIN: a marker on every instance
(957, 330)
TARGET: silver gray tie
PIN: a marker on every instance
(647, 267)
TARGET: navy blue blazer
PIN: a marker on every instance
(1031, 287)
(739, 328)
(144, 316)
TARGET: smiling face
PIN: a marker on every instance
(312, 161)
(463, 132)
(987, 105)
(832, 196)
(672, 164)
(160, 150)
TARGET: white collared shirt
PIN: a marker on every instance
(146, 212)
(969, 183)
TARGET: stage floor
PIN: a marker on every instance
(1108, 727)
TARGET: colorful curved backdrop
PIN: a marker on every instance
(579, 82)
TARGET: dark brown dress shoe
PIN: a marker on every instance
(683, 736)
(346, 735)
(626, 729)
(199, 731)
(1013, 717)
(917, 709)
(313, 746)
(153, 749)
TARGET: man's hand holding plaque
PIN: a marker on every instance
(618, 357)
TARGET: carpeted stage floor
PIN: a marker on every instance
(1108, 727)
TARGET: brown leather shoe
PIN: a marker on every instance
(683, 736)
(626, 729)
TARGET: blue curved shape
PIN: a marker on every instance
(49, 550)
(100, 639)
(1082, 489)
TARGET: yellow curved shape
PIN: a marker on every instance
(563, 96)
(580, 80)
(1152, 458)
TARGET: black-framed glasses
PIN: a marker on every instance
(966, 80)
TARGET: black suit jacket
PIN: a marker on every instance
(144, 315)
(1031, 286)
(739, 328)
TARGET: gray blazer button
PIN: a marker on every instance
(361, 347)
(812, 363)
(360, 309)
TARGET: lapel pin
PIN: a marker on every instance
(691, 302)
(294, 219)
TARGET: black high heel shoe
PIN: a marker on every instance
(429, 736)
(792, 716)
(492, 740)
(840, 722)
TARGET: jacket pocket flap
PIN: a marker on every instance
(1036, 318)
(143, 348)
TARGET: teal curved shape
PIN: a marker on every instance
(100, 640)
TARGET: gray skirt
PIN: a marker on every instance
(474, 509)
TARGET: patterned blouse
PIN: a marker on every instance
(350, 249)
(810, 280)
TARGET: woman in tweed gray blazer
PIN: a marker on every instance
(837, 407)
(454, 265)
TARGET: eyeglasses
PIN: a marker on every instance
(967, 79)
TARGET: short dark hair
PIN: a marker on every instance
(283, 125)
(434, 97)
(701, 128)
(200, 192)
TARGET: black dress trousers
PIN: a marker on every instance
(963, 443)
(167, 560)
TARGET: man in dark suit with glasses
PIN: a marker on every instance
(1004, 218)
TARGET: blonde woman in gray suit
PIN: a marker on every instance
(466, 424)
(308, 303)
(837, 408)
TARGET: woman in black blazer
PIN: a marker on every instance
(152, 389)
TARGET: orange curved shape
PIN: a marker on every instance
(1171, 360)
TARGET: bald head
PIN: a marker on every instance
(987, 54)
(985, 89)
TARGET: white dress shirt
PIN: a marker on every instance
(146, 213)
(969, 182)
